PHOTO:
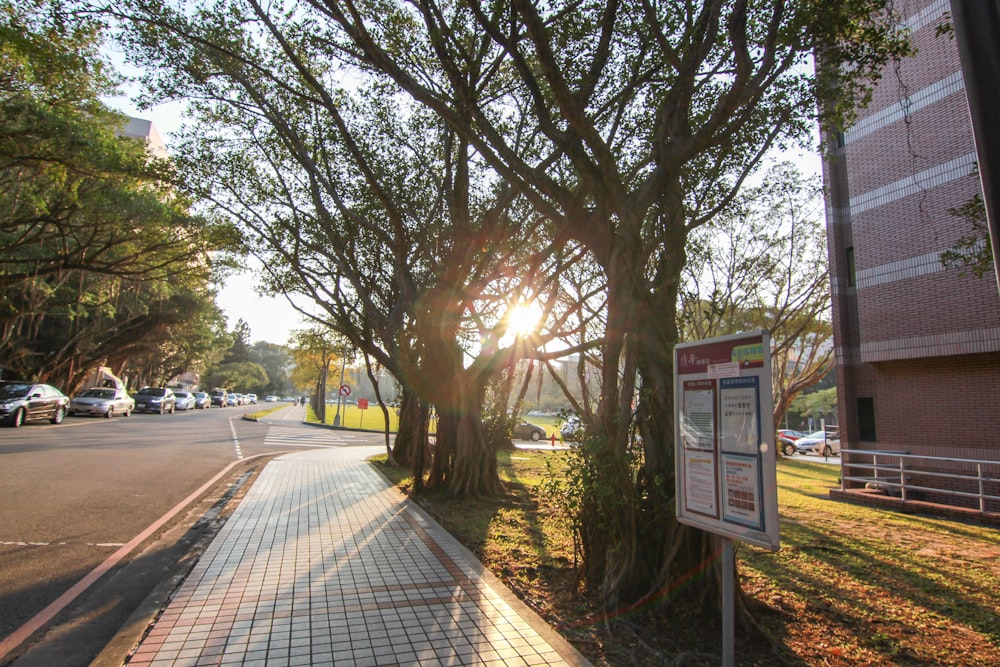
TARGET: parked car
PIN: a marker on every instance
(818, 442)
(27, 401)
(219, 397)
(202, 400)
(251, 399)
(786, 438)
(572, 429)
(184, 400)
(155, 399)
(102, 402)
(528, 431)
(271, 399)
(233, 400)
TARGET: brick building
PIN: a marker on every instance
(917, 344)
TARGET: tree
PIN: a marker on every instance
(239, 351)
(972, 251)
(624, 126)
(376, 211)
(275, 360)
(817, 404)
(245, 376)
(763, 265)
(96, 252)
(646, 119)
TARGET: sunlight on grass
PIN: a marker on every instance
(850, 585)
(866, 584)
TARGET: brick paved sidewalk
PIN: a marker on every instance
(325, 563)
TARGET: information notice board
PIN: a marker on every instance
(725, 449)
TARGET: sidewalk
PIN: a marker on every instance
(325, 563)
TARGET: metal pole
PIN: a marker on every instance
(902, 478)
(982, 489)
(340, 397)
(977, 24)
(728, 603)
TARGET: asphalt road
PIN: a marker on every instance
(74, 494)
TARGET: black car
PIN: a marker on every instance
(155, 399)
(26, 401)
(528, 431)
(218, 397)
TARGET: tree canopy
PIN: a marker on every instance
(100, 258)
(432, 137)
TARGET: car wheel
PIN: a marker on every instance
(58, 416)
(171, 409)
(18, 418)
(535, 436)
(787, 449)
(126, 413)
(107, 415)
(827, 451)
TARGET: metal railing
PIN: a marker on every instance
(898, 469)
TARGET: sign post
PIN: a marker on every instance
(362, 405)
(725, 450)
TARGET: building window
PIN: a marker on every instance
(851, 277)
(866, 419)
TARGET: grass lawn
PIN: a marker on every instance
(351, 416)
(373, 420)
(849, 586)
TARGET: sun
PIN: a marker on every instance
(523, 318)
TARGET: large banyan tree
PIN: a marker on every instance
(624, 126)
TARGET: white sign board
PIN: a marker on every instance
(725, 449)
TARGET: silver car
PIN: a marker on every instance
(102, 402)
(202, 401)
(184, 400)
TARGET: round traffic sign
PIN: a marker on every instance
(345, 390)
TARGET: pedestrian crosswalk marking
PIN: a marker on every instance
(283, 436)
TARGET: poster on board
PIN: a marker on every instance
(725, 449)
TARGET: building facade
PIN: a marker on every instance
(917, 344)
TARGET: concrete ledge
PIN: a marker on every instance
(872, 498)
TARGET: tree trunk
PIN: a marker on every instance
(634, 547)
(464, 462)
(412, 415)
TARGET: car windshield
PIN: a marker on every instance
(14, 390)
(200, 394)
(99, 393)
(817, 435)
(151, 391)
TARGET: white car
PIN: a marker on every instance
(818, 443)
(271, 399)
(102, 402)
(184, 400)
